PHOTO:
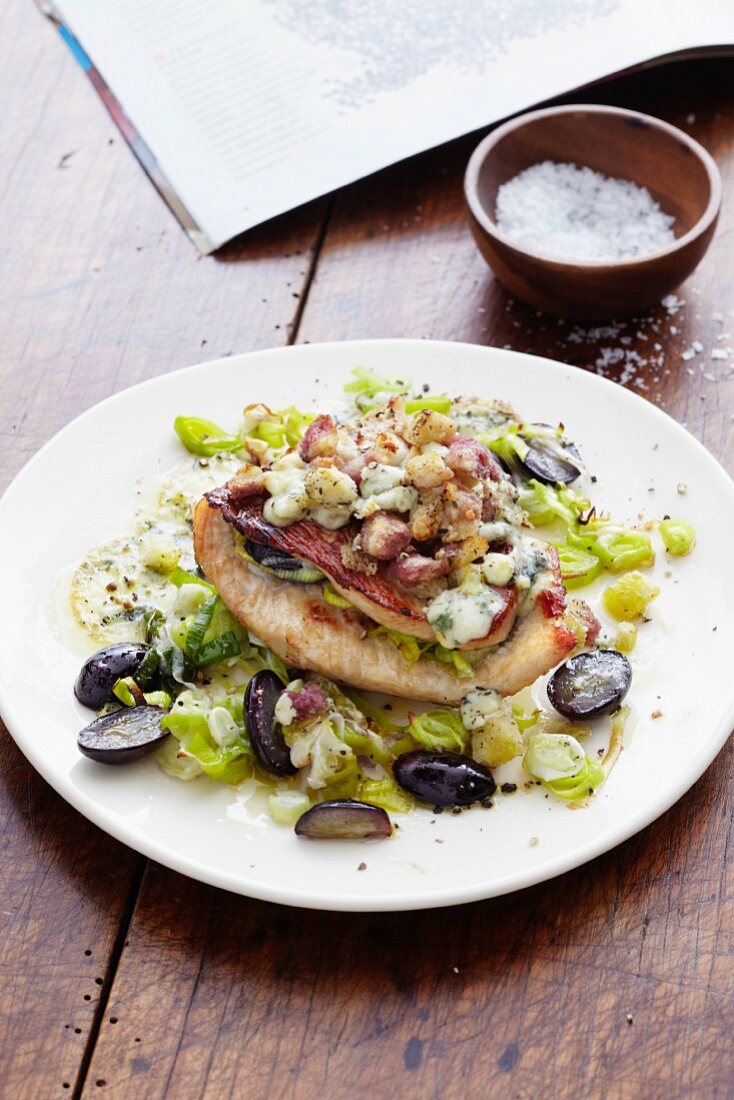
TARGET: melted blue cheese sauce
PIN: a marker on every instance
(116, 582)
(465, 614)
(329, 496)
(458, 617)
(481, 415)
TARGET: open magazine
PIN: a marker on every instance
(241, 109)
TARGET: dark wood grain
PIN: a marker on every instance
(612, 981)
(206, 994)
(98, 290)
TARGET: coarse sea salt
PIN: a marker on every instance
(574, 213)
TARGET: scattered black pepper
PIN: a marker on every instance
(508, 788)
(362, 867)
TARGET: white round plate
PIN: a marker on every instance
(79, 491)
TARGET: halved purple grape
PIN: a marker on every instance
(344, 819)
(551, 459)
(123, 736)
(103, 669)
(443, 778)
(262, 694)
(590, 683)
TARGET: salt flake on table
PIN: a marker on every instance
(672, 303)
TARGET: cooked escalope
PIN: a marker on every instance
(410, 529)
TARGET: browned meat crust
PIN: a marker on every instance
(372, 592)
(306, 632)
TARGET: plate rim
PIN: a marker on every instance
(114, 825)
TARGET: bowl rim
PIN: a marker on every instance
(486, 221)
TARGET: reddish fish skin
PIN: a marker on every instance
(308, 540)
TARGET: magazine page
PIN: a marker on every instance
(242, 109)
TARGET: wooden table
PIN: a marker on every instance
(119, 977)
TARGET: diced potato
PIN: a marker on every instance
(496, 737)
(427, 471)
(499, 742)
(248, 477)
(469, 550)
(328, 486)
(389, 449)
(426, 519)
(428, 426)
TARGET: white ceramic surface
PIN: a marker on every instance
(79, 490)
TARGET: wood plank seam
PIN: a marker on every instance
(109, 975)
(295, 324)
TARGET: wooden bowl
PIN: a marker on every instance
(677, 171)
